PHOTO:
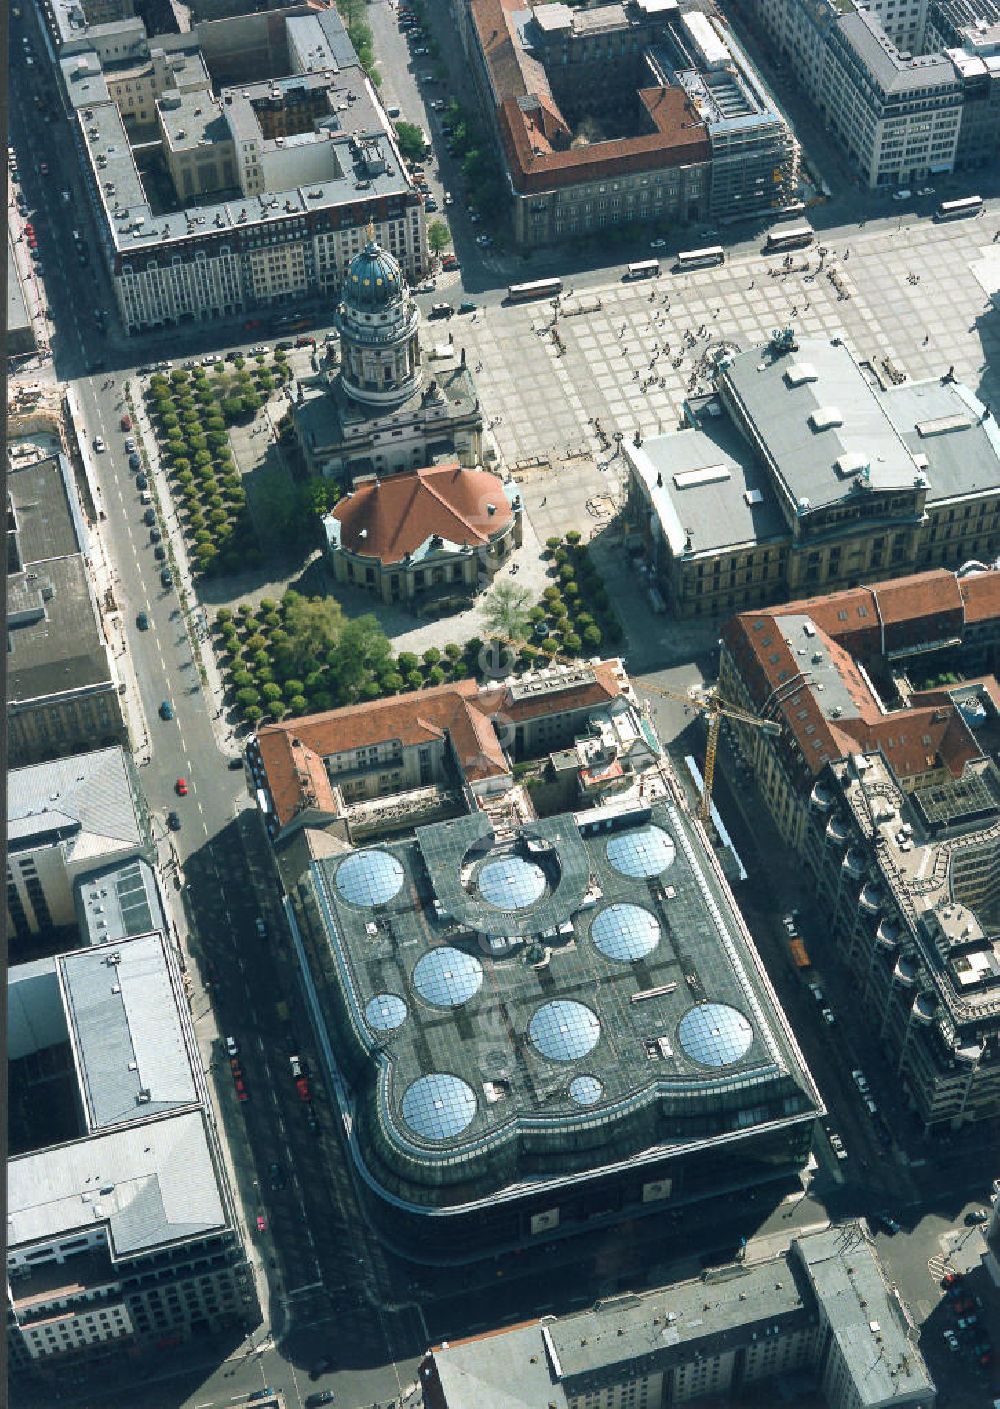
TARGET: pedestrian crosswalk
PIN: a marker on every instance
(938, 1265)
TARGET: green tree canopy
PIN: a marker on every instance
(438, 237)
(506, 610)
(411, 140)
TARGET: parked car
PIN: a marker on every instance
(149, 518)
(130, 445)
(232, 1047)
(441, 310)
(166, 578)
(902, 195)
(134, 461)
(657, 244)
(977, 1215)
(321, 1397)
(126, 422)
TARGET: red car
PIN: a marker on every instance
(242, 1094)
(306, 340)
(302, 1087)
(181, 787)
(261, 1223)
(126, 423)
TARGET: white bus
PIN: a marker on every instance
(701, 259)
(644, 269)
(538, 288)
(792, 239)
(954, 210)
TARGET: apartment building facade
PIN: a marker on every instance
(277, 181)
(907, 95)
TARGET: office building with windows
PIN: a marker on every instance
(822, 1316)
(911, 89)
(617, 114)
(541, 1028)
(64, 819)
(122, 1234)
(881, 778)
(796, 474)
(273, 181)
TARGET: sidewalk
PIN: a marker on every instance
(194, 615)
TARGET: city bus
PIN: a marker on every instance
(644, 269)
(538, 288)
(954, 210)
(792, 239)
(701, 259)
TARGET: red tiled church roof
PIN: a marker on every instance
(387, 519)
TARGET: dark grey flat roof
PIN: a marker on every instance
(947, 425)
(678, 1038)
(46, 510)
(54, 641)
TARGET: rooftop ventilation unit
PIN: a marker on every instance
(801, 372)
(824, 418)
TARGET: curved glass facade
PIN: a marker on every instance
(369, 878)
(586, 1090)
(645, 852)
(715, 1035)
(447, 977)
(564, 1030)
(511, 883)
(625, 933)
(439, 1106)
(385, 1012)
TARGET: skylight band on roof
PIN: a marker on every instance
(709, 474)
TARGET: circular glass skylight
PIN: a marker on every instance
(369, 878)
(385, 1012)
(439, 1106)
(715, 1034)
(511, 883)
(645, 852)
(564, 1030)
(625, 933)
(447, 977)
(586, 1090)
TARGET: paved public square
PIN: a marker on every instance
(623, 361)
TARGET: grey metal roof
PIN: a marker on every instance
(865, 1317)
(864, 34)
(149, 1185)
(543, 976)
(824, 675)
(85, 801)
(788, 398)
(35, 1015)
(126, 1030)
(948, 425)
(118, 902)
(822, 1277)
(715, 512)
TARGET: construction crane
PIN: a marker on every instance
(715, 710)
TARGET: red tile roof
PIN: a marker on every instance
(930, 734)
(293, 751)
(679, 139)
(387, 519)
(981, 594)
